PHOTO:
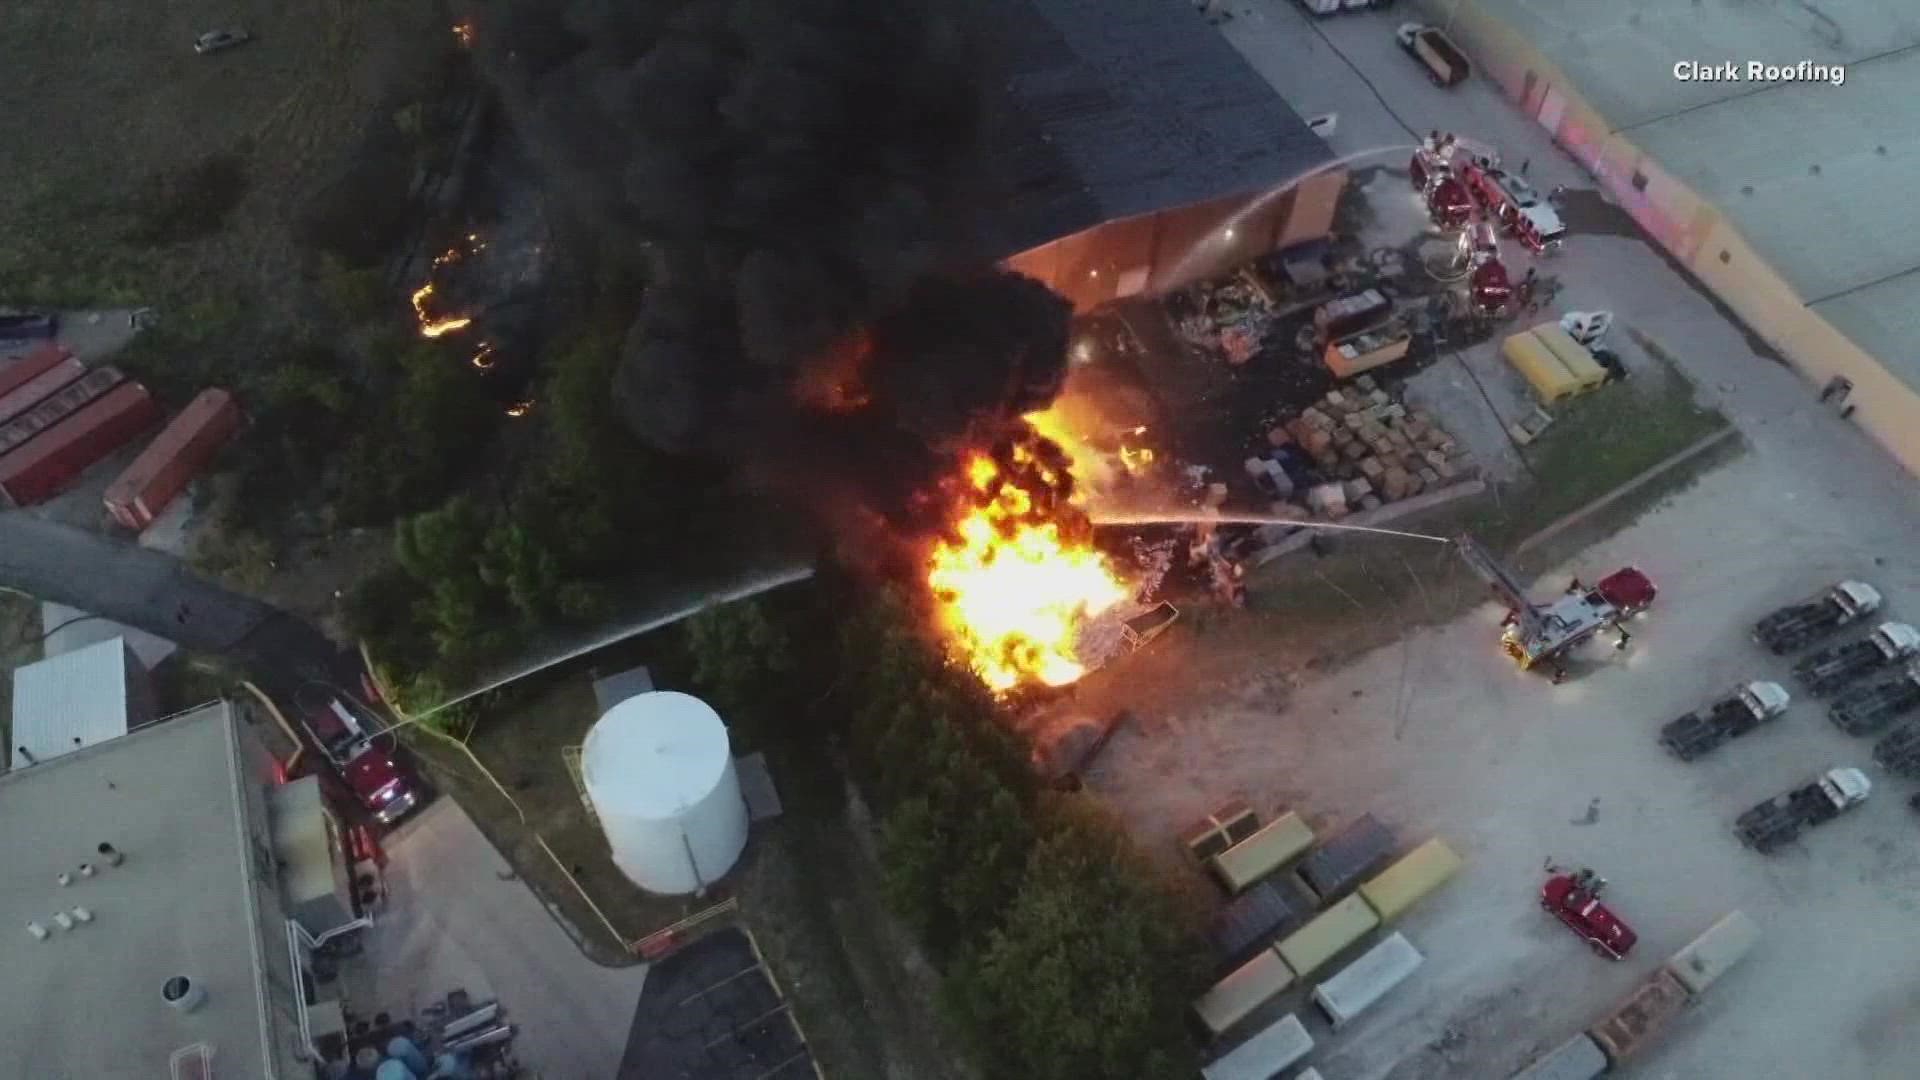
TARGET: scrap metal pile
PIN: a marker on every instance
(1357, 449)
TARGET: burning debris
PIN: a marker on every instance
(432, 325)
(1020, 575)
(463, 33)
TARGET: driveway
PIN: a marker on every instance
(1505, 767)
(457, 919)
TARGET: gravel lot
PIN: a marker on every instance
(1437, 734)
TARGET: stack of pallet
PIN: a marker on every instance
(1377, 449)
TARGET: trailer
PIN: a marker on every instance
(46, 465)
(1409, 880)
(1257, 916)
(1309, 948)
(1899, 752)
(1830, 669)
(1710, 956)
(1778, 821)
(38, 361)
(1796, 626)
(1282, 1043)
(1866, 710)
(1692, 736)
(1245, 989)
(1361, 984)
(1262, 853)
(1347, 857)
(1446, 65)
(175, 456)
(1579, 1058)
(1634, 1024)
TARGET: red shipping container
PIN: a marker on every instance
(61, 404)
(42, 357)
(174, 457)
(43, 467)
(32, 391)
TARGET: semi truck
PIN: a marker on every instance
(1747, 707)
(1797, 626)
(1865, 710)
(1832, 668)
(1262, 913)
(1779, 820)
(1446, 65)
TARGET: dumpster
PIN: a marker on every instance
(1550, 378)
(1571, 353)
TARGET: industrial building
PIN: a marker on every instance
(1138, 152)
(1787, 197)
(76, 699)
(158, 886)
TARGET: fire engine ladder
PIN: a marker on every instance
(1495, 573)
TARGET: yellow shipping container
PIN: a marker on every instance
(1418, 873)
(1571, 353)
(1251, 985)
(1549, 378)
(1262, 853)
(1307, 949)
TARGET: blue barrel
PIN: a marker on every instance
(401, 1048)
(394, 1069)
(450, 1067)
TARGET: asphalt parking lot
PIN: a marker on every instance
(1437, 734)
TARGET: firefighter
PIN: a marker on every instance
(1621, 644)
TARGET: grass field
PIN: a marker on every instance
(139, 172)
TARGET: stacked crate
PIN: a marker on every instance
(1377, 449)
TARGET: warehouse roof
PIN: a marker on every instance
(70, 701)
(86, 1001)
(1816, 176)
(1113, 110)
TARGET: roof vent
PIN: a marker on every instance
(109, 854)
(182, 993)
(63, 920)
(65, 879)
(86, 869)
(39, 932)
(82, 915)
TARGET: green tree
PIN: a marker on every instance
(1092, 970)
(741, 660)
(514, 562)
(442, 550)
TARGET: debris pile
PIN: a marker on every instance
(1366, 448)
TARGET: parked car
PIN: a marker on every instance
(214, 41)
(19, 325)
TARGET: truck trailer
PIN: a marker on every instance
(1899, 752)
(1746, 708)
(1280, 1044)
(1779, 820)
(180, 451)
(1830, 669)
(1264, 852)
(1446, 65)
(45, 465)
(1797, 626)
(1416, 874)
(1361, 984)
(1346, 858)
(1634, 1024)
(1866, 710)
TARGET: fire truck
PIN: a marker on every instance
(1442, 170)
(1511, 201)
(1540, 636)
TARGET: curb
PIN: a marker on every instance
(1628, 488)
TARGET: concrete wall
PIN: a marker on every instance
(1159, 252)
(1688, 226)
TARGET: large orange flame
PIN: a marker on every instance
(1018, 577)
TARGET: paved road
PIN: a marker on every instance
(155, 592)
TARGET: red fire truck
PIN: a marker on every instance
(1512, 202)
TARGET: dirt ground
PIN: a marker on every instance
(1435, 733)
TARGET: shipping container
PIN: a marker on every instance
(1635, 1023)
(1550, 379)
(1282, 1043)
(1586, 370)
(1367, 350)
(1714, 953)
(1221, 830)
(1262, 853)
(175, 456)
(37, 360)
(1403, 884)
(61, 404)
(1353, 853)
(44, 466)
(1361, 984)
(1308, 949)
(1255, 917)
(40, 386)
(1579, 1058)
(1250, 986)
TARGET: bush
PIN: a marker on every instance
(741, 661)
(176, 207)
(362, 213)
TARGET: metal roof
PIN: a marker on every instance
(85, 1001)
(1112, 110)
(70, 701)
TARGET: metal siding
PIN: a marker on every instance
(81, 695)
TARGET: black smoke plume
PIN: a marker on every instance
(801, 178)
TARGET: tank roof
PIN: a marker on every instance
(654, 755)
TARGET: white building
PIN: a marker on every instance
(146, 910)
(77, 699)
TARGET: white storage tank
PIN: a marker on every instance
(659, 770)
